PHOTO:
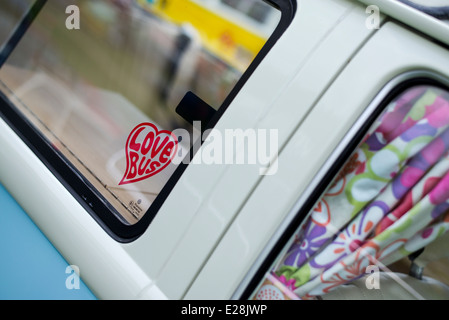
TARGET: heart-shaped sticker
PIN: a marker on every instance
(148, 152)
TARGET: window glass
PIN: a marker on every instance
(382, 224)
(101, 81)
(259, 12)
(232, 3)
(256, 10)
(11, 11)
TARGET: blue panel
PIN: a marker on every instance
(30, 267)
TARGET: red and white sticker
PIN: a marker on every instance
(148, 152)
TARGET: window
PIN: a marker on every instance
(90, 84)
(383, 220)
(257, 10)
(10, 14)
(437, 10)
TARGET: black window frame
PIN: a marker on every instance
(78, 185)
(277, 243)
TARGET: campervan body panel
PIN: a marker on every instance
(219, 222)
(389, 55)
(206, 199)
(212, 195)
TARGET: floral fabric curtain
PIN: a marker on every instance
(390, 200)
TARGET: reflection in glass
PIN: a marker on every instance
(130, 62)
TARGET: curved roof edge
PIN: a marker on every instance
(416, 19)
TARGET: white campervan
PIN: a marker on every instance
(146, 154)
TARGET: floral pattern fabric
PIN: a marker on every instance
(388, 200)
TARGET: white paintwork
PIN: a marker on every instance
(391, 52)
(217, 219)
